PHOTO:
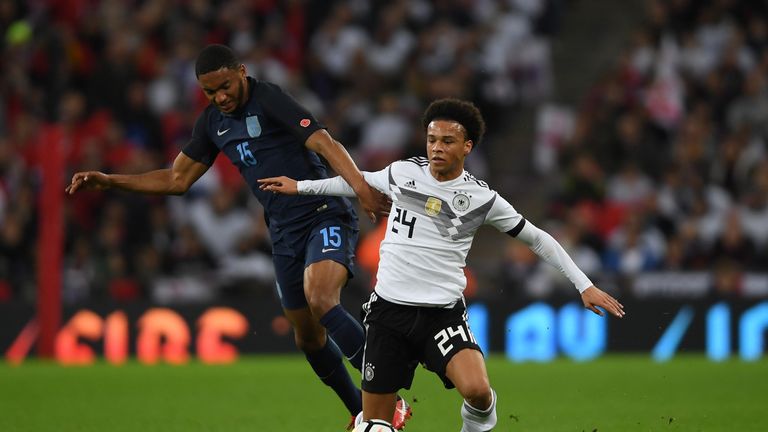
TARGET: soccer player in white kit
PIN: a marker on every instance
(416, 313)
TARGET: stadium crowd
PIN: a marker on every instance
(664, 168)
(115, 80)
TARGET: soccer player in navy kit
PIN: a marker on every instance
(266, 133)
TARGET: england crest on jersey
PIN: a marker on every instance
(254, 127)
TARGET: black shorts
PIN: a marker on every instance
(400, 337)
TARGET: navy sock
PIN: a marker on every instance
(329, 366)
(347, 333)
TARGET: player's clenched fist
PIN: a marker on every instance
(88, 180)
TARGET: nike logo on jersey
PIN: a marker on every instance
(222, 132)
(329, 250)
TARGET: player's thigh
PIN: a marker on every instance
(466, 370)
(329, 255)
(389, 360)
(447, 337)
(323, 281)
(289, 281)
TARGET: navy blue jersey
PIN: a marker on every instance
(266, 138)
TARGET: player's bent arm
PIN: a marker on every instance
(373, 202)
(323, 144)
(548, 249)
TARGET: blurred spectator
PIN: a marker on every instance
(635, 247)
(585, 181)
(220, 222)
(79, 271)
(142, 127)
(336, 47)
(755, 206)
(384, 135)
(554, 129)
(15, 256)
(751, 108)
(189, 254)
(116, 70)
(629, 187)
(391, 42)
(732, 243)
(230, 232)
(727, 277)
(738, 153)
(521, 275)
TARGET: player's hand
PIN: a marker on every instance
(88, 180)
(374, 202)
(594, 296)
(282, 184)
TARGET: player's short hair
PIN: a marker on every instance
(215, 57)
(462, 112)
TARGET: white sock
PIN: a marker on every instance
(476, 420)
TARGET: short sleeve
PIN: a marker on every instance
(281, 107)
(503, 216)
(200, 147)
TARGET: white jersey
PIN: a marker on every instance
(430, 230)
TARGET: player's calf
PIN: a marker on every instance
(478, 420)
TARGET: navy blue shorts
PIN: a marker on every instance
(329, 239)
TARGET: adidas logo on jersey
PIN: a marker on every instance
(410, 184)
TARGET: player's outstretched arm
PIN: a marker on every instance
(547, 248)
(334, 186)
(594, 296)
(170, 181)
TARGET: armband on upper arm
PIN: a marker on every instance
(516, 230)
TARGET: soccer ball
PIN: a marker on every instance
(374, 426)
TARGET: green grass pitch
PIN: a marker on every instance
(280, 393)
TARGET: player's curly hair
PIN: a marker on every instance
(214, 57)
(462, 112)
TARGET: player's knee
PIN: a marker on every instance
(309, 341)
(478, 395)
(320, 304)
